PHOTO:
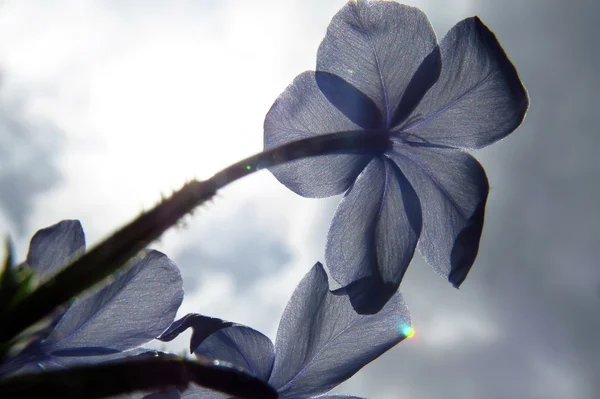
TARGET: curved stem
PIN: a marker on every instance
(134, 375)
(108, 256)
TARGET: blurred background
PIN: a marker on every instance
(106, 104)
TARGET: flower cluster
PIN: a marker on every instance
(107, 324)
(321, 340)
(380, 71)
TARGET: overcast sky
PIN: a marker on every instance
(106, 104)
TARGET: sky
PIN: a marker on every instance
(104, 105)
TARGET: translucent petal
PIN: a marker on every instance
(338, 397)
(66, 358)
(202, 326)
(478, 99)
(322, 341)
(241, 346)
(196, 392)
(169, 394)
(135, 308)
(221, 340)
(353, 103)
(453, 188)
(192, 392)
(54, 247)
(303, 111)
(377, 47)
(373, 235)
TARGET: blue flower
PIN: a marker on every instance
(135, 308)
(321, 341)
(380, 69)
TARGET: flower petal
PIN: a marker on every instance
(338, 397)
(478, 99)
(54, 247)
(66, 358)
(453, 189)
(196, 392)
(322, 341)
(377, 47)
(132, 310)
(373, 235)
(193, 391)
(241, 346)
(172, 393)
(302, 111)
(202, 326)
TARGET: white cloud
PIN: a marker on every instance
(456, 329)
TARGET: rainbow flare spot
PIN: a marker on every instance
(248, 167)
(408, 331)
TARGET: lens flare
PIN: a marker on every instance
(408, 331)
(248, 167)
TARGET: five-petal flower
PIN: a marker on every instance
(380, 69)
(321, 341)
(139, 305)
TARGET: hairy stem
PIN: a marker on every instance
(111, 254)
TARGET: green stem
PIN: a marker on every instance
(108, 256)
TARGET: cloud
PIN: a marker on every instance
(29, 147)
(242, 244)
